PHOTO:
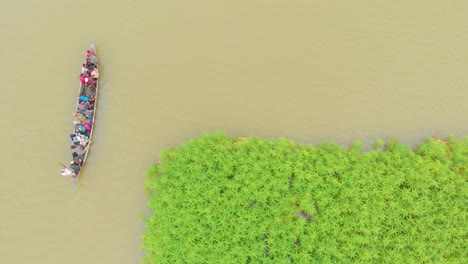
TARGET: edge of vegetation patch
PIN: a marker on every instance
(220, 199)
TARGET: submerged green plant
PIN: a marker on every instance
(219, 199)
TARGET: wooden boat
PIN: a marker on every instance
(83, 90)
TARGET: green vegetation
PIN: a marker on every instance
(218, 199)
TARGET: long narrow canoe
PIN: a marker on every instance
(82, 91)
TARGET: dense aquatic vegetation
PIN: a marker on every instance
(220, 199)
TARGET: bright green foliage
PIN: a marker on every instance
(218, 199)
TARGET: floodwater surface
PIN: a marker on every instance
(311, 71)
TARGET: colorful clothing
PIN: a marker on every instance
(75, 139)
(87, 126)
(81, 128)
(83, 107)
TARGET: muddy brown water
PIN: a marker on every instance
(171, 70)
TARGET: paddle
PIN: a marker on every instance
(87, 145)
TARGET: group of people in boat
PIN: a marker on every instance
(83, 117)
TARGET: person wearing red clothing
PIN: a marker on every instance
(90, 53)
(89, 80)
(82, 78)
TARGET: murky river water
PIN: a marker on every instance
(171, 70)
